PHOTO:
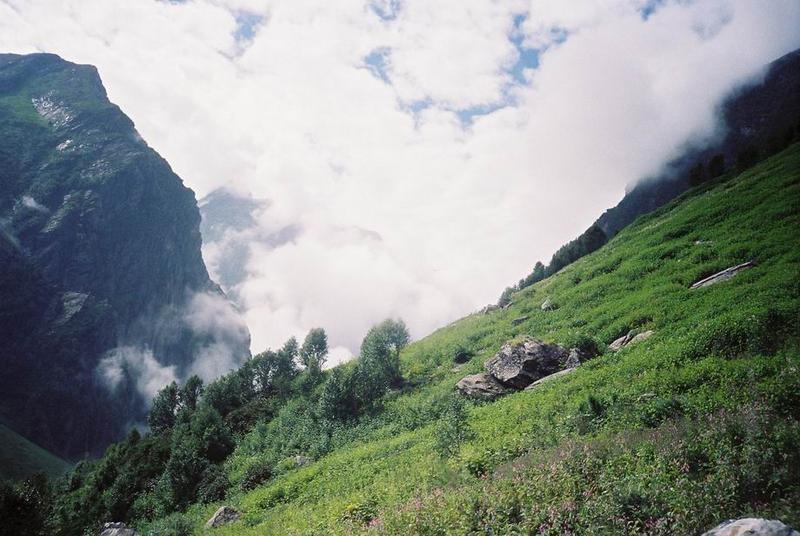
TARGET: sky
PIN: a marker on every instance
(423, 155)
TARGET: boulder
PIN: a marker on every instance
(223, 516)
(548, 305)
(300, 460)
(552, 376)
(116, 529)
(630, 338)
(519, 364)
(519, 320)
(724, 275)
(489, 308)
(752, 527)
(482, 386)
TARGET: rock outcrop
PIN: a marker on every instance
(552, 376)
(519, 364)
(547, 305)
(116, 529)
(483, 386)
(752, 527)
(630, 338)
(223, 516)
(100, 250)
(724, 275)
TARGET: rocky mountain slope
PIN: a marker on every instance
(100, 245)
(758, 120)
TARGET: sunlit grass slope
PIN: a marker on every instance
(673, 435)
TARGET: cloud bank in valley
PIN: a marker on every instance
(422, 154)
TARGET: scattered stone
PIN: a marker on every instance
(482, 386)
(630, 338)
(489, 308)
(724, 275)
(300, 460)
(116, 529)
(703, 242)
(552, 376)
(223, 516)
(752, 527)
(520, 364)
(575, 358)
(519, 320)
(548, 305)
(509, 304)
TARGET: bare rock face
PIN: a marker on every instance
(520, 364)
(630, 338)
(752, 527)
(223, 516)
(117, 529)
(724, 275)
(482, 386)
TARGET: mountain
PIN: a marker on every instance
(105, 294)
(230, 229)
(19, 458)
(680, 409)
(757, 120)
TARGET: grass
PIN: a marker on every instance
(692, 426)
(20, 458)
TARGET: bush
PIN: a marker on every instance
(452, 429)
(256, 474)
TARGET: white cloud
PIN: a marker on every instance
(409, 214)
(138, 365)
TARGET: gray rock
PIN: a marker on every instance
(519, 320)
(300, 460)
(520, 364)
(552, 376)
(116, 529)
(223, 516)
(548, 305)
(483, 386)
(489, 308)
(752, 527)
(630, 338)
(724, 275)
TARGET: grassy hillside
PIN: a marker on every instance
(692, 426)
(19, 458)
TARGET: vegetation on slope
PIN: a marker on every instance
(20, 458)
(694, 425)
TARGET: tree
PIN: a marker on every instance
(314, 351)
(697, 175)
(191, 392)
(505, 297)
(380, 351)
(336, 401)
(716, 166)
(165, 404)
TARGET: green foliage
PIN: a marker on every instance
(452, 429)
(165, 406)
(314, 351)
(670, 435)
(24, 505)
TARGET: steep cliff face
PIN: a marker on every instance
(105, 294)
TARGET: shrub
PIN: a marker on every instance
(256, 474)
